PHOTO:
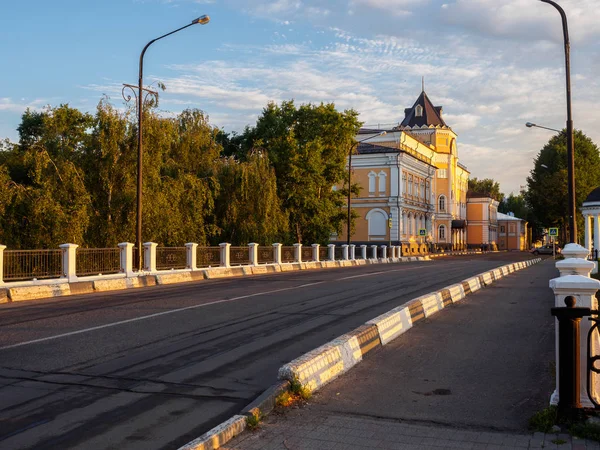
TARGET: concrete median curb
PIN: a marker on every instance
(322, 365)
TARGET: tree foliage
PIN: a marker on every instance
(547, 192)
(487, 187)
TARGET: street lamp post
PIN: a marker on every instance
(383, 133)
(570, 146)
(529, 125)
(140, 101)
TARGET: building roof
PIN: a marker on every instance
(594, 196)
(502, 216)
(431, 116)
(365, 148)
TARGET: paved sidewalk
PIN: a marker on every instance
(468, 377)
(303, 429)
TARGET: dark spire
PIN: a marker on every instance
(423, 113)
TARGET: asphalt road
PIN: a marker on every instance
(154, 368)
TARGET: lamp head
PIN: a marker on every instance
(529, 124)
(383, 133)
(202, 20)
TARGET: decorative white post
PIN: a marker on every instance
(150, 256)
(126, 254)
(331, 252)
(575, 262)
(316, 252)
(191, 249)
(253, 250)
(298, 253)
(277, 253)
(352, 251)
(584, 290)
(345, 252)
(69, 261)
(225, 254)
(363, 250)
(588, 236)
(384, 251)
(374, 251)
(596, 220)
(2, 248)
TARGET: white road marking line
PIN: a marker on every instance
(135, 319)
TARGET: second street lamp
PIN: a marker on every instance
(355, 144)
(202, 20)
(530, 125)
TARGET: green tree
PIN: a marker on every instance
(487, 187)
(547, 192)
(307, 147)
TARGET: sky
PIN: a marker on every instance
(492, 64)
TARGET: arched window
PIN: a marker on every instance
(382, 177)
(442, 203)
(377, 220)
(372, 176)
(442, 232)
(410, 185)
(419, 111)
(422, 189)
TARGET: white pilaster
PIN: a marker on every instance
(253, 252)
(345, 252)
(225, 247)
(298, 252)
(277, 253)
(69, 261)
(588, 237)
(363, 251)
(150, 256)
(596, 220)
(191, 249)
(126, 256)
(331, 252)
(384, 251)
(316, 252)
(352, 254)
(374, 251)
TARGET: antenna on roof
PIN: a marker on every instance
(422, 84)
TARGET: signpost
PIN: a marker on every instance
(423, 232)
(553, 233)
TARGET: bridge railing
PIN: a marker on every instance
(69, 262)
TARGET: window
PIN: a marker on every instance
(427, 191)
(502, 229)
(442, 232)
(419, 111)
(404, 225)
(422, 189)
(405, 184)
(372, 176)
(410, 185)
(377, 223)
(442, 203)
(382, 177)
(410, 225)
(512, 228)
(442, 173)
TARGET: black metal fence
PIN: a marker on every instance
(287, 254)
(266, 255)
(208, 256)
(239, 256)
(98, 261)
(171, 258)
(307, 254)
(27, 264)
(323, 253)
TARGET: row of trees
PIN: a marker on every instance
(544, 203)
(72, 177)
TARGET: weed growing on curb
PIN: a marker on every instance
(558, 441)
(544, 420)
(284, 399)
(586, 431)
(297, 388)
(253, 421)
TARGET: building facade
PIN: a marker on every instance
(512, 233)
(413, 188)
(482, 213)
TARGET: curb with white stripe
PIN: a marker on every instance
(322, 365)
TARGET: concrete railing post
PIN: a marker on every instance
(2, 248)
(331, 252)
(583, 289)
(352, 251)
(253, 252)
(126, 256)
(298, 253)
(150, 256)
(224, 254)
(316, 252)
(363, 251)
(345, 252)
(191, 249)
(374, 251)
(575, 262)
(277, 253)
(69, 261)
(384, 251)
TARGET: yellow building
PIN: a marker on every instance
(412, 176)
(512, 233)
(482, 213)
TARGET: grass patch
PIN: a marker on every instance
(544, 420)
(300, 389)
(253, 421)
(285, 399)
(297, 393)
(586, 431)
(558, 441)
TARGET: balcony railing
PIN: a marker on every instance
(98, 261)
(27, 264)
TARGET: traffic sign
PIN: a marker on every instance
(422, 232)
(553, 232)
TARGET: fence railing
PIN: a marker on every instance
(28, 264)
(98, 261)
(70, 262)
(171, 258)
(287, 254)
(208, 256)
(239, 256)
(266, 255)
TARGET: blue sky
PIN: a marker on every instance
(493, 65)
